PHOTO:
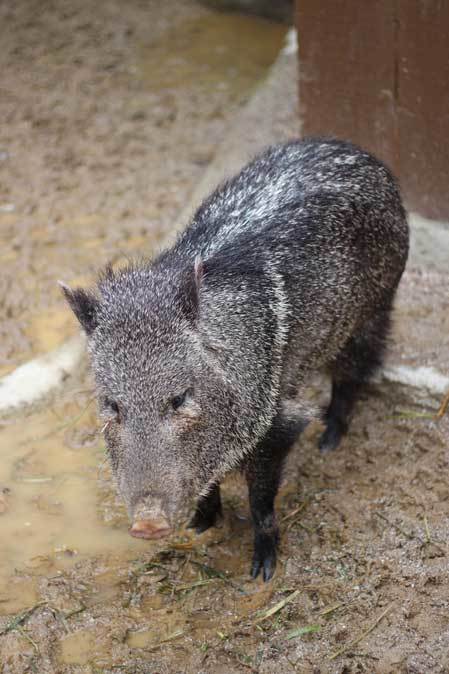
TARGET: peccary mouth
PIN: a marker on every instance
(150, 529)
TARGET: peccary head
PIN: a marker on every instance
(163, 399)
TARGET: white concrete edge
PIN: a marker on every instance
(421, 377)
(38, 377)
(418, 221)
(291, 43)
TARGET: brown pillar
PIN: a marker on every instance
(377, 72)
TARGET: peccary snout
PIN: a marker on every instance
(156, 528)
(149, 518)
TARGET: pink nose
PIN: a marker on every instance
(157, 528)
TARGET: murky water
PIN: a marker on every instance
(222, 51)
(52, 501)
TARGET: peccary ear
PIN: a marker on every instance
(191, 287)
(83, 304)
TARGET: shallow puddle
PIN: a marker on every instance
(54, 510)
(217, 51)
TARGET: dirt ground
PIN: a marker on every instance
(106, 134)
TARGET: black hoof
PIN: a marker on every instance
(331, 437)
(202, 522)
(207, 511)
(264, 558)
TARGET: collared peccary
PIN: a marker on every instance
(198, 355)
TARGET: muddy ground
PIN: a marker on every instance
(108, 129)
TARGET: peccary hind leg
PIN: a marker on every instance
(353, 367)
(263, 473)
(208, 509)
(336, 417)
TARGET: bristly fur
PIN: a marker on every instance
(289, 266)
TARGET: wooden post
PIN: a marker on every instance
(377, 72)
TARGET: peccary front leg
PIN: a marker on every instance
(208, 509)
(263, 483)
(263, 474)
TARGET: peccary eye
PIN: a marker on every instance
(179, 400)
(115, 409)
